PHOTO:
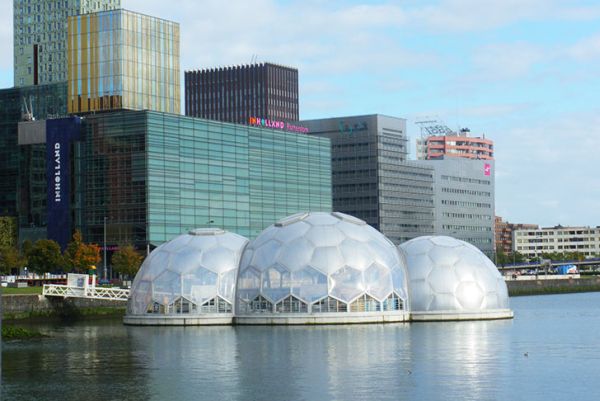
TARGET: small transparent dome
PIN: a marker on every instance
(194, 273)
(321, 262)
(447, 274)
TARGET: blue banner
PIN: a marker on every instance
(59, 135)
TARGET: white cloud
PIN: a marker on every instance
(550, 170)
(506, 60)
(586, 49)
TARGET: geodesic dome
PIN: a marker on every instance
(194, 273)
(321, 262)
(449, 275)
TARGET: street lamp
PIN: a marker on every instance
(105, 271)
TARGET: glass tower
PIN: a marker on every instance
(123, 60)
(40, 37)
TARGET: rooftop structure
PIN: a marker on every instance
(437, 141)
(237, 94)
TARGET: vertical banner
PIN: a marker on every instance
(59, 135)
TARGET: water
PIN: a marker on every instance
(550, 351)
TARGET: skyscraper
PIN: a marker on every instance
(40, 37)
(236, 94)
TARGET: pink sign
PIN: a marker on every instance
(487, 169)
(264, 122)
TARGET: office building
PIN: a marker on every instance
(153, 176)
(40, 37)
(123, 60)
(372, 178)
(437, 141)
(533, 243)
(263, 91)
(464, 197)
(504, 233)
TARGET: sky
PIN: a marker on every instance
(524, 73)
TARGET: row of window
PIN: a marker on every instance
(291, 304)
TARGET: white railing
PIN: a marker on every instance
(65, 291)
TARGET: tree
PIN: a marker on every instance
(45, 256)
(79, 256)
(11, 258)
(127, 261)
(8, 231)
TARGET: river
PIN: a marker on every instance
(550, 351)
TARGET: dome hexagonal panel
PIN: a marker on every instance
(448, 275)
(187, 270)
(318, 256)
(309, 284)
(346, 284)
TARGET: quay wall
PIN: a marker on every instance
(25, 306)
(542, 286)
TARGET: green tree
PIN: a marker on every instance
(11, 258)
(79, 256)
(45, 256)
(127, 261)
(8, 231)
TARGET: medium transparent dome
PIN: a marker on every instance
(446, 274)
(194, 273)
(321, 262)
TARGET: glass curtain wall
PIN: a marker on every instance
(123, 60)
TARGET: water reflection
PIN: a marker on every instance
(469, 353)
(419, 361)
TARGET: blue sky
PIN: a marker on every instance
(526, 73)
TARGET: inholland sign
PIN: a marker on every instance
(264, 122)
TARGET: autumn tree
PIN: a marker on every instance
(11, 258)
(45, 256)
(127, 261)
(8, 231)
(79, 256)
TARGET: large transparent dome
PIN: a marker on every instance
(321, 262)
(194, 273)
(449, 275)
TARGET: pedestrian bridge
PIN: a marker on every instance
(79, 286)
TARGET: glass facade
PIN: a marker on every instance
(40, 37)
(22, 168)
(123, 60)
(156, 175)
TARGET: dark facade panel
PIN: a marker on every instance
(234, 94)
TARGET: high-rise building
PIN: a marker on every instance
(504, 233)
(437, 141)
(263, 91)
(372, 178)
(123, 60)
(40, 37)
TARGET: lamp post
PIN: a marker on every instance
(105, 271)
